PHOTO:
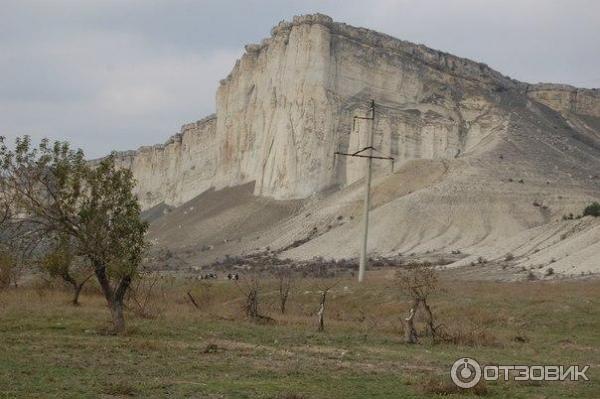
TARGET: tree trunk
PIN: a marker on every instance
(283, 302)
(410, 333)
(189, 294)
(252, 304)
(100, 272)
(118, 299)
(117, 317)
(114, 298)
(78, 289)
(429, 321)
(321, 312)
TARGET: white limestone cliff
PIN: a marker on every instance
(288, 105)
(177, 171)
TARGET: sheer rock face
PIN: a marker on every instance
(289, 102)
(178, 170)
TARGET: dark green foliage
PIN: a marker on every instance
(592, 210)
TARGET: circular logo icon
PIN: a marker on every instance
(466, 372)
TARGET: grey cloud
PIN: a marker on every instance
(113, 74)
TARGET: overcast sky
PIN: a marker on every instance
(108, 74)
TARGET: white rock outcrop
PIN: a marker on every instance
(177, 171)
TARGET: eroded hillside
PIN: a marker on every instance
(484, 165)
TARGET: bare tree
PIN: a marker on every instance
(147, 295)
(418, 281)
(250, 286)
(324, 290)
(60, 193)
(286, 282)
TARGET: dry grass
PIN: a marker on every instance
(468, 335)
(215, 351)
(443, 386)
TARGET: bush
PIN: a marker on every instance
(570, 216)
(592, 210)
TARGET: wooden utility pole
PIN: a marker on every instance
(367, 199)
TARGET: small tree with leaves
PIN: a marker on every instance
(592, 210)
(61, 194)
(8, 258)
(61, 262)
(18, 242)
(418, 281)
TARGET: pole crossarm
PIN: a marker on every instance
(363, 156)
(369, 118)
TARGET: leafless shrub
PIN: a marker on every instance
(324, 290)
(146, 297)
(250, 285)
(286, 283)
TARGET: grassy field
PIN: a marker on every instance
(51, 349)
